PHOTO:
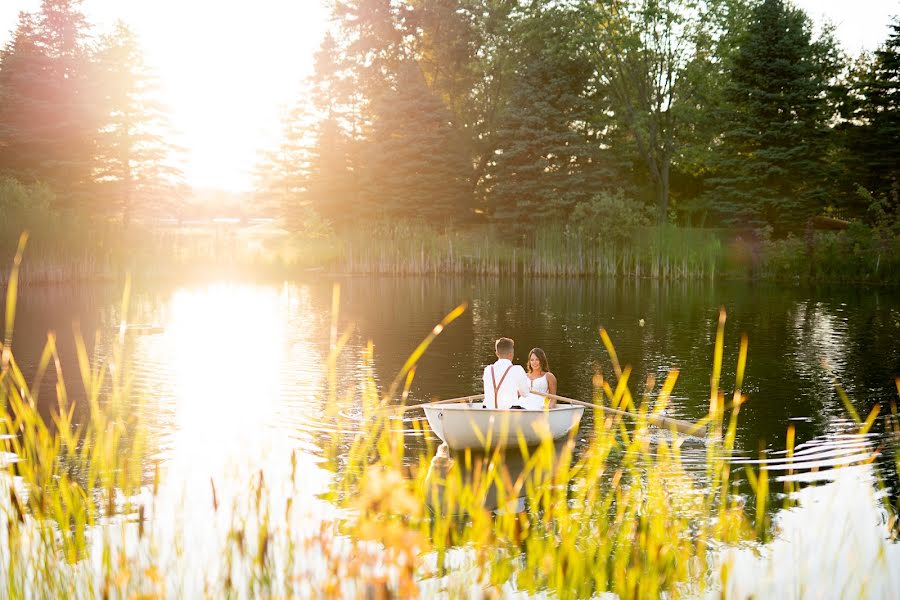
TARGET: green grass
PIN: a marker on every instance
(553, 251)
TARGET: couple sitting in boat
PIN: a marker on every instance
(508, 386)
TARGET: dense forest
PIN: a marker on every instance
(79, 117)
(595, 119)
(713, 113)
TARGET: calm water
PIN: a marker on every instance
(233, 375)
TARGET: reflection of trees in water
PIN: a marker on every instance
(789, 329)
(784, 325)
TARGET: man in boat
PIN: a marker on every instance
(504, 382)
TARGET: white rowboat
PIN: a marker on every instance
(467, 425)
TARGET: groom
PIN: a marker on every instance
(504, 382)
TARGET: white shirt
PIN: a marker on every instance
(514, 385)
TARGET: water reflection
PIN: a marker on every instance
(226, 421)
(500, 481)
(225, 345)
(235, 382)
(834, 543)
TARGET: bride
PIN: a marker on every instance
(542, 381)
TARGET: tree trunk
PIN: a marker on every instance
(662, 192)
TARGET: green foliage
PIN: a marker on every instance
(80, 116)
(547, 159)
(655, 61)
(23, 207)
(856, 255)
(770, 166)
(48, 114)
(416, 166)
(871, 129)
(883, 213)
(610, 215)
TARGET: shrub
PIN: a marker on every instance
(610, 215)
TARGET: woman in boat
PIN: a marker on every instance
(541, 379)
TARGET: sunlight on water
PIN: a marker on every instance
(228, 418)
(226, 345)
(842, 515)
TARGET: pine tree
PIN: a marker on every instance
(331, 184)
(547, 158)
(50, 112)
(281, 177)
(134, 161)
(312, 169)
(22, 68)
(416, 166)
(770, 166)
(333, 178)
(872, 131)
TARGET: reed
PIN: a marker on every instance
(619, 514)
(552, 251)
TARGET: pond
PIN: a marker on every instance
(235, 381)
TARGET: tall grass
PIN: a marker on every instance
(81, 517)
(553, 251)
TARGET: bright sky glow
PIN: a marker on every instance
(861, 24)
(229, 69)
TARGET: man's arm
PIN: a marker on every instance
(523, 384)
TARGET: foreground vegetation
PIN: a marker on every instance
(82, 513)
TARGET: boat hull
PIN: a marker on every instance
(463, 426)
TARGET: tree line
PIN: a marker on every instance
(703, 112)
(520, 112)
(79, 115)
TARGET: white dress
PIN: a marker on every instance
(535, 400)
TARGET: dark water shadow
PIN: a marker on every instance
(499, 481)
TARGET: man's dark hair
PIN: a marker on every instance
(504, 346)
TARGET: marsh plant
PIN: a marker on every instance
(613, 509)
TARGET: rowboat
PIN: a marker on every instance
(467, 424)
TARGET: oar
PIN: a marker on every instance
(403, 409)
(680, 426)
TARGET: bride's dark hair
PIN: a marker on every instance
(541, 357)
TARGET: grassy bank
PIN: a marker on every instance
(71, 248)
(859, 254)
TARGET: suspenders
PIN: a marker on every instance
(497, 385)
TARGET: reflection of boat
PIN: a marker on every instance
(468, 425)
(494, 481)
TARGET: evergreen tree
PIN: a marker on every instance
(547, 158)
(872, 129)
(134, 160)
(416, 167)
(333, 178)
(332, 187)
(770, 167)
(466, 50)
(312, 168)
(22, 65)
(49, 115)
(281, 177)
